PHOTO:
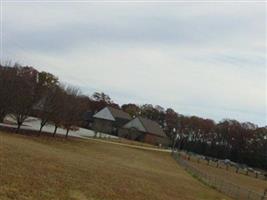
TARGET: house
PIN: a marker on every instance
(108, 120)
(144, 130)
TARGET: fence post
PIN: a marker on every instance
(264, 194)
(225, 187)
(238, 192)
(221, 185)
(248, 195)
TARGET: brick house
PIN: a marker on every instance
(109, 120)
(144, 130)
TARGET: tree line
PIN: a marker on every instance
(26, 92)
(228, 139)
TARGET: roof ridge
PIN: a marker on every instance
(141, 121)
(115, 111)
(151, 125)
(108, 107)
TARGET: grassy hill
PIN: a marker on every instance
(38, 168)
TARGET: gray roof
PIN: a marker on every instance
(116, 113)
(152, 127)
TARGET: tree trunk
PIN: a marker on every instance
(1, 119)
(55, 131)
(174, 142)
(67, 133)
(43, 122)
(2, 116)
(41, 127)
(40, 130)
(18, 127)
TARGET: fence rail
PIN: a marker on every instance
(228, 188)
(227, 166)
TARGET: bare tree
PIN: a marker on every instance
(23, 97)
(46, 107)
(46, 92)
(102, 97)
(57, 106)
(72, 113)
(7, 86)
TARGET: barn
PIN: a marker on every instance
(109, 119)
(144, 130)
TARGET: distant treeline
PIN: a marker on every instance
(26, 92)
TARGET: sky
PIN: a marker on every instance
(200, 58)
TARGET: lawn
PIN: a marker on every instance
(257, 185)
(38, 168)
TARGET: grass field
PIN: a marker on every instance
(242, 180)
(33, 168)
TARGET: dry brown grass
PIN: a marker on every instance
(132, 142)
(231, 176)
(33, 168)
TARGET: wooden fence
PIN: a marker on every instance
(226, 187)
(225, 166)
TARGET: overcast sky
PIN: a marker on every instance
(204, 59)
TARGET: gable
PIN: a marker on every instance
(104, 114)
(152, 127)
(135, 123)
(117, 113)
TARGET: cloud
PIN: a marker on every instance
(204, 59)
(67, 25)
